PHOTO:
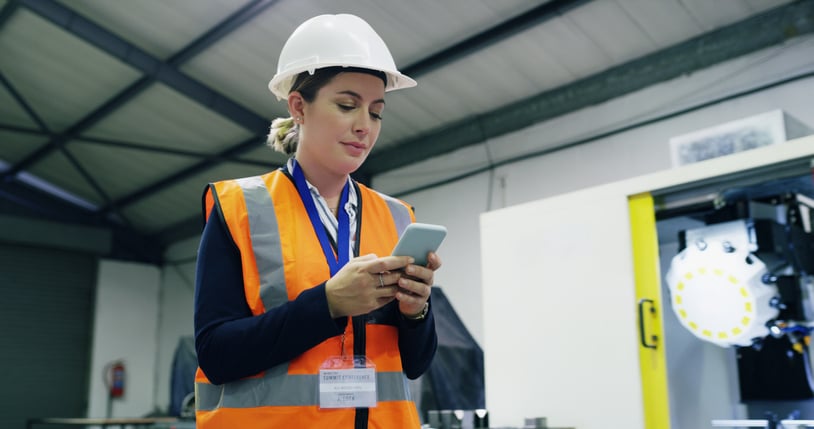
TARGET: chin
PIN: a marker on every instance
(354, 164)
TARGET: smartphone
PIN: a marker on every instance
(418, 239)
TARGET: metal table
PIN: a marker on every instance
(762, 423)
(104, 423)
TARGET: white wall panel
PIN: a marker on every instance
(125, 328)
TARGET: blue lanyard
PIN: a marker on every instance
(342, 256)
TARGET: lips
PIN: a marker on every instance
(355, 148)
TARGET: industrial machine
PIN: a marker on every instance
(745, 280)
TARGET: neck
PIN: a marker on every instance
(328, 183)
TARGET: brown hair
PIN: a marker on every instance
(284, 133)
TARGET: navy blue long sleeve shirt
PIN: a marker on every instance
(231, 343)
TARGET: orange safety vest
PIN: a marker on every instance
(281, 257)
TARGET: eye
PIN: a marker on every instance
(376, 116)
(346, 107)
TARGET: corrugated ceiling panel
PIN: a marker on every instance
(410, 111)
(242, 64)
(611, 28)
(416, 29)
(162, 116)
(518, 67)
(510, 66)
(414, 176)
(570, 47)
(515, 68)
(762, 5)
(264, 154)
(530, 56)
(16, 146)
(713, 14)
(11, 112)
(182, 200)
(506, 80)
(406, 113)
(121, 171)
(55, 168)
(666, 23)
(61, 77)
(161, 28)
(160, 210)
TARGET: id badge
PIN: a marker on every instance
(347, 382)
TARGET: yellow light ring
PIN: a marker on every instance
(719, 296)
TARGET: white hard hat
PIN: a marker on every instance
(334, 40)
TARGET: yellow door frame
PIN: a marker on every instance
(652, 356)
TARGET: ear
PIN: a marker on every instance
(296, 104)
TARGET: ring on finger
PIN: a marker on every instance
(381, 280)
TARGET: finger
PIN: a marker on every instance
(433, 261)
(387, 292)
(413, 288)
(388, 263)
(389, 279)
(408, 297)
(419, 273)
(363, 258)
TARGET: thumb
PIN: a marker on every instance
(368, 257)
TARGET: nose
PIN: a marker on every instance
(361, 126)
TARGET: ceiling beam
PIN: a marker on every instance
(249, 144)
(7, 11)
(768, 29)
(134, 146)
(113, 45)
(24, 104)
(491, 36)
(153, 69)
(466, 47)
(761, 31)
(186, 228)
(28, 203)
(231, 23)
(21, 199)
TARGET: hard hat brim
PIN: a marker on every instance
(280, 85)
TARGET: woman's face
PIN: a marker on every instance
(341, 125)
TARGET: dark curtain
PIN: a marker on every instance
(455, 378)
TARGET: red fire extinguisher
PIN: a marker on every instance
(115, 379)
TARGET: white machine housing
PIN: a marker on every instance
(716, 285)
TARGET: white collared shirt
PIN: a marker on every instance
(326, 216)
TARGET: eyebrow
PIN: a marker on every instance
(357, 96)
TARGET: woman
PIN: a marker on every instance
(293, 328)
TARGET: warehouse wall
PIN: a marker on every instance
(125, 329)
(637, 151)
(141, 312)
(177, 287)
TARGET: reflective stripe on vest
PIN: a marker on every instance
(265, 241)
(401, 215)
(276, 388)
